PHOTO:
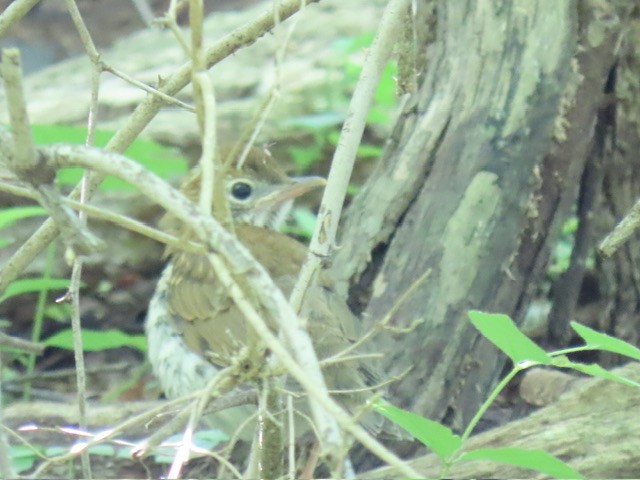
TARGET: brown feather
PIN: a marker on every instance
(213, 326)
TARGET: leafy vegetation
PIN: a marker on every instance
(161, 160)
(98, 340)
(524, 353)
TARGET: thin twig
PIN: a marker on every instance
(144, 113)
(384, 323)
(6, 466)
(221, 460)
(7, 341)
(255, 126)
(138, 419)
(207, 158)
(115, 218)
(170, 21)
(261, 284)
(323, 239)
(182, 454)
(68, 372)
(85, 190)
(235, 438)
(38, 318)
(24, 160)
(26, 165)
(147, 88)
(144, 10)
(291, 435)
(14, 12)
(78, 354)
(622, 232)
(180, 419)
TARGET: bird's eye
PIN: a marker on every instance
(241, 190)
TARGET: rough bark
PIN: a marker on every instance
(479, 175)
(618, 281)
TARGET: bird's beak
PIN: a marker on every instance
(298, 186)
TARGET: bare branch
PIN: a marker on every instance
(14, 12)
(323, 239)
(622, 231)
(239, 259)
(21, 157)
(144, 113)
(20, 344)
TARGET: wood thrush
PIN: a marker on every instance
(193, 325)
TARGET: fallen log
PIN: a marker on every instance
(593, 427)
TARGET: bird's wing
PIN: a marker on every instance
(203, 311)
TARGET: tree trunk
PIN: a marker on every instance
(480, 173)
(618, 279)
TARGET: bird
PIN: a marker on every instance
(193, 325)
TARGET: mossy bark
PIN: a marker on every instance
(478, 177)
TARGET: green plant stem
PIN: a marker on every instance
(38, 317)
(487, 403)
(566, 351)
(494, 394)
(505, 381)
(481, 411)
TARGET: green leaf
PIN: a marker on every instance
(55, 450)
(603, 341)
(369, 151)
(504, 334)
(49, 134)
(305, 222)
(60, 312)
(32, 285)
(594, 370)
(98, 340)
(353, 44)
(8, 216)
(570, 226)
(157, 158)
(209, 439)
(305, 157)
(23, 457)
(437, 437)
(385, 95)
(378, 116)
(353, 189)
(365, 150)
(103, 450)
(23, 464)
(538, 460)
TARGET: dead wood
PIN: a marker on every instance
(592, 427)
